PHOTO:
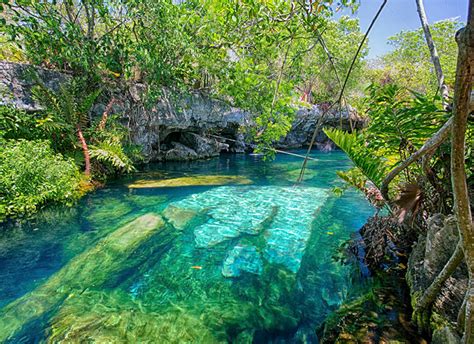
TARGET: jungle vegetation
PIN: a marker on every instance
(268, 57)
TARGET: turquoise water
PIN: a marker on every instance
(163, 256)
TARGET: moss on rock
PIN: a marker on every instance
(209, 180)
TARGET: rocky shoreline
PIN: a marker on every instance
(178, 127)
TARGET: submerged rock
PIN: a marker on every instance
(242, 216)
(179, 217)
(114, 317)
(94, 268)
(282, 214)
(242, 258)
(189, 181)
(305, 334)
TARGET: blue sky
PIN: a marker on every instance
(401, 15)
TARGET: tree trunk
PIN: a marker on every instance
(85, 150)
(462, 210)
(105, 114)
(433, 52)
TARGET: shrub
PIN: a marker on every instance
(31, 174)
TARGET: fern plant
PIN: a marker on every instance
(401, 120)
(66, 118)
(112, 155)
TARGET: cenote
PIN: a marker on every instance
(226, 249)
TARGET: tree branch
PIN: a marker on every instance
(430, 294)
(434, 53)
(434, 142)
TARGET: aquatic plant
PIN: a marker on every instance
(190, 181)
(109, 317)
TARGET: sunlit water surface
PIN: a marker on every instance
(250, 258)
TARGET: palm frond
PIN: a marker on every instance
(371, 165)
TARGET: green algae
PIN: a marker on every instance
(148, 201)
(92, 268)
(99, 317)
(179, 217)
(200, 180)
(292, 175)
(108, 212)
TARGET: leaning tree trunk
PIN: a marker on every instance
(85, 151)
(433, 52)
(462, 210)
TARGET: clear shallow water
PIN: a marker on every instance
(251, 259)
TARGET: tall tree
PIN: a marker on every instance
(434, 53)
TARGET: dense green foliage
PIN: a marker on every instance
(400, 123)
(260, 56)
(409, 64)
(33, 146)
(31, 175)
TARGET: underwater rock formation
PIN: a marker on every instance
(190, 181)
(282, 215)
(178, 217)
(98, 317)
(242, 258)
(94, 268)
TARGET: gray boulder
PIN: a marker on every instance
(306, 120)
(180, 152)
(445, 336)
(204, 147)
(428, 258)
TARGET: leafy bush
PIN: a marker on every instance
(16, 124)
(31, 174)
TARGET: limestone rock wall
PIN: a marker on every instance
(306, 120)
(179, 127)
(176, 126)
(16, 81)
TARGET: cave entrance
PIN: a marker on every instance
(172, 137)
